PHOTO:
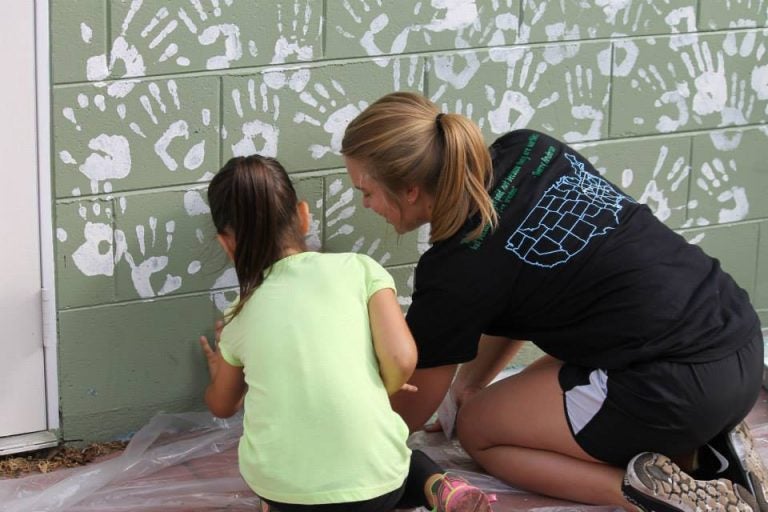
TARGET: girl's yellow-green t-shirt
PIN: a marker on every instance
(318, 426)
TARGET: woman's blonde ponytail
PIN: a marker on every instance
(407, 141)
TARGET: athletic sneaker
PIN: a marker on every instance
(656, 484)
(733, 456)
(454, 494)
(753, 474)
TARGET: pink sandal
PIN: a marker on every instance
(454, 494)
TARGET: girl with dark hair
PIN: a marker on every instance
(313, 347)
(654, 354)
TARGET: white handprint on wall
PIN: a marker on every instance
(164, 32)
(91, 142)
(257, 135)
(341, 210)
(331, 103)
(675, 97)
(295, 36)
(110, 160)
(656, 195)
(516, 109)
(95, 256)
(732, 201)
(708, 78)
(585, 106)
(144, 266)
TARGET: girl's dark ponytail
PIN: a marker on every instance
(252, 198)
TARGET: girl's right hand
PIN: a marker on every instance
(212, 355)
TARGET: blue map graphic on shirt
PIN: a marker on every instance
(568, 216)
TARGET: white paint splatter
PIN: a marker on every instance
(194, 204)
(266, 132)
(422, 238)
(69, 114)
(195, 156)
(458, 14)
(194, 267)
(61, 235)
(624, 67)
(88, 258)
(111, 160)
(228, 279)
(66, 157)
(233, 50)
(335, 126)
(759, 81)
(175, 130)
(172, 283)
(86, 33)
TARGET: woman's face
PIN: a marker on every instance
(376, 198)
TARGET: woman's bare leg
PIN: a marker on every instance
(517, 431)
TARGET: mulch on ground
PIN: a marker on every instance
(50, 459)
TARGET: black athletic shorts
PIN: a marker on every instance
(661, 406)
(384, 502)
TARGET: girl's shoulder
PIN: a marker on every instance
(335, 259)
(351, 259)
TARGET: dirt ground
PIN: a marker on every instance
(50, 459)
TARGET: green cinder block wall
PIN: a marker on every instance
(669, 98)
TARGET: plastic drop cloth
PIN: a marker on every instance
(188, 462)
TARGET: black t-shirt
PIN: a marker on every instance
(577, 267)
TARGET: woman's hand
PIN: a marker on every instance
(212, 355)
(460, 397)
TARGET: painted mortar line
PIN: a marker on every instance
(113, 223)
(324, 29)
(756, 284)
(324, 215)
(108, 21)
(221, 121)
(249, 70)
(611, 77)
(175, 187)
(329, 171)
(401, 266)
(698, 16)
(691, 177)
(185, 187)
(727, 225)
(127, 302)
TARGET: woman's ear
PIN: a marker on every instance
(305, 217)
(227, 243)
(412, 194)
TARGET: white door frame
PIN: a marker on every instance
(47, 260)
(25, 441)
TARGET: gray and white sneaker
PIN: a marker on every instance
(656, 484)
(753, 475)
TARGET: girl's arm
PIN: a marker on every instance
(392, 340)
(224, 395)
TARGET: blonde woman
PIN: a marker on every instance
(654, 354)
